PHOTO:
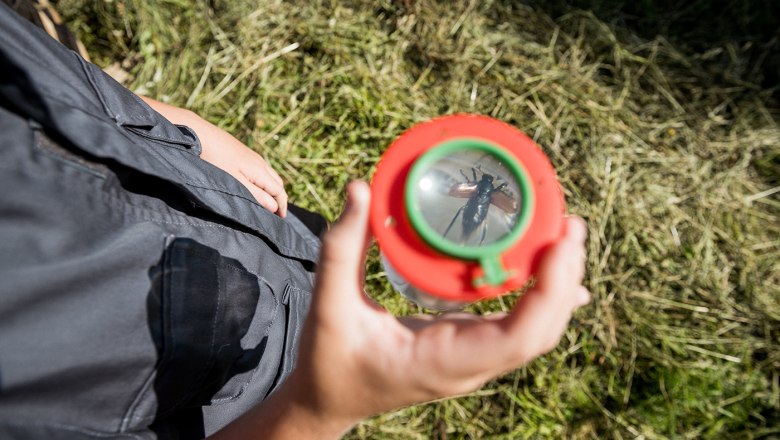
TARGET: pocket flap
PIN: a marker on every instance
(130, 111)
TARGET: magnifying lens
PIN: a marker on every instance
(462, 207)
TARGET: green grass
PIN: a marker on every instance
(671, 152)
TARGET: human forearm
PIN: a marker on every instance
(356, 360)
(174, 114)
(283, 416)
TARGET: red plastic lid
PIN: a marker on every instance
(442, 275)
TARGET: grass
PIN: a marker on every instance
(670, 150)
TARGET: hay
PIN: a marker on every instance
(675, 166)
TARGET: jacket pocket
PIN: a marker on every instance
(136, 116)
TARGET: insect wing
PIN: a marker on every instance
(465, 189)
(504, 201)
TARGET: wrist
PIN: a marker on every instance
(303, 403)
(287, 414)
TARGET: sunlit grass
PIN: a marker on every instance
(673, 166)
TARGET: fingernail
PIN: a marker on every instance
(354, 193)
(583, 296)
(357, 192)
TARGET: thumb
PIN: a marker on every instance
(343, 247)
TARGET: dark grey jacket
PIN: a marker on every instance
(143, 291)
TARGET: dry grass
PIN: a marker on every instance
(675, 165)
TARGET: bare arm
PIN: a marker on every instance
(357, 360)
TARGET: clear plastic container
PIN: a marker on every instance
(461, 207)
(416, 295)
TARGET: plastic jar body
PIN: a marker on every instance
(416, 295)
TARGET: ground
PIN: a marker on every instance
(662, 125)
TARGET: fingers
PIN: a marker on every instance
(275, 188)
(263, 198)
(268, 188)
(466, 347)
(564, 264)
(343, 249)
(542, 314)
(275, 175)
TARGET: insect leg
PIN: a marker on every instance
(464, 175)
(447, 231)
(484, 232)
(474, 173)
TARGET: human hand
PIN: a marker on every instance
(356, 360)
(223, 150)
(251, 169)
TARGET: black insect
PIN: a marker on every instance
(481, 194)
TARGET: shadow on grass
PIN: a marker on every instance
(716, 30)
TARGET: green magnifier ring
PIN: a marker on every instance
(487, 254)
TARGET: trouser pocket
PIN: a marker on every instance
(274, 352)
(200, 307)
(296, 302)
